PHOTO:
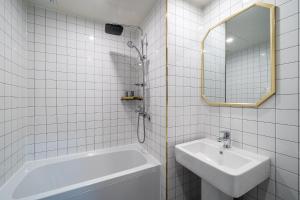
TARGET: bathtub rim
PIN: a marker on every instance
(10, 186)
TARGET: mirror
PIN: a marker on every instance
(238, 58)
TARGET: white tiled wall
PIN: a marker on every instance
(155, 75)
(155, 27)
(184, 26)
(13, 86)
(247, 74)
(78, 74)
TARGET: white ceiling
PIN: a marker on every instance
(131, 12)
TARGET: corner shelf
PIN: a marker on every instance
(131, 98)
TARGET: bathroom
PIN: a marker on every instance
(151, 93)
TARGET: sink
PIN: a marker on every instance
(233, 171)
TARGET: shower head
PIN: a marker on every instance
(130, 44)
(114, 29)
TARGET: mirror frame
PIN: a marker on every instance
(272, 90)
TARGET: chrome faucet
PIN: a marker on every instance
(226, 139)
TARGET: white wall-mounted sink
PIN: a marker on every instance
(233, 171)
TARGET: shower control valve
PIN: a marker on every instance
(145, 115)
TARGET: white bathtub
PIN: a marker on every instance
(121, 173)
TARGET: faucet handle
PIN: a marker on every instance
(226, 134)
(226, 138)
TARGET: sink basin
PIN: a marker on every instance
(233, 171)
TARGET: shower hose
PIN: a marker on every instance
(141, 140)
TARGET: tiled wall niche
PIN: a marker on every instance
(13, 87)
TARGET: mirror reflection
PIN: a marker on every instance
(237, 58)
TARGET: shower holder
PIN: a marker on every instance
(132, 98)
(139, 84)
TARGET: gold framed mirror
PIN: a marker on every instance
(238, 58)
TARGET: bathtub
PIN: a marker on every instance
(121, 173)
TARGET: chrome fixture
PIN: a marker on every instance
(117, 29)
(141, 111)
(131, 45)
(139, 84)
(226, 139)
